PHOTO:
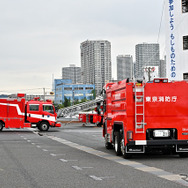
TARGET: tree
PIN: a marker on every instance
(66, 102)
(83, 100)
(94, 93)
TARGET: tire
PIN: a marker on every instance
(117, 143)
(43, 126)
(108, 145)
(1, 126)
(123, 150)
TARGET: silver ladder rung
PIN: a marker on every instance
(139, 89)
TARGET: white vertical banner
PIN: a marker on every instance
(171, 40)
(176, 28)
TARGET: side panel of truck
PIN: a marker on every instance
(12, 113)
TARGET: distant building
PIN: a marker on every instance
(134, 69)
(163, 68)
(146, 55)
(96, 63)
(177, 39)
(42, 97)
(72, 73)
(63, 88)
(3, 96)
(124, 67)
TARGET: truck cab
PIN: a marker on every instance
(42, 114)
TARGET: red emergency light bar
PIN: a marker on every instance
(48, 100)
(20, 95)
(36, 98)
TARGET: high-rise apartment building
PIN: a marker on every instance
(163, 68)
(73, 73)
(177, 39)
(96, 63)
(124, 67)
(146, 55)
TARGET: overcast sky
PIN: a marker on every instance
(39, 37)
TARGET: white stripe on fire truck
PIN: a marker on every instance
(15, 105)
(50, 118)
(176, 178)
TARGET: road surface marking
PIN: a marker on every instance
(101, 178)
(54, 155)
(81, 168)
(176, 178)
(95, 178)
(48, 150)
(65, 161)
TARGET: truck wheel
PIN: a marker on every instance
(123, 150)
(117, 143)
(1, 126)
(43, 126)
(108, 145)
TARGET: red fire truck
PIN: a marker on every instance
(90, 118)
(17, 113)
(146, 117)
(93, 118)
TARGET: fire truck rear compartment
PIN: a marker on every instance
(167, 144)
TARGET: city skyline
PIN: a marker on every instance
(34, 47)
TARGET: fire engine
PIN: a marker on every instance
(91, 118)
(19, 113)
(147, 117)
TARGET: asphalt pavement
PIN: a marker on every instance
(74, 156)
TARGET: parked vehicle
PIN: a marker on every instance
(146, 117)
(19, 113)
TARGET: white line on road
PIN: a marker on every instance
(65, 161)
(54, 155)
(95, 178)
(81, 168)
(46, 150)
(136, 165)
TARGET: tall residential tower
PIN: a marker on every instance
(96, 63)
(146, 55)
(124, 67)
(73, 73)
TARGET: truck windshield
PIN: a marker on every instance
(48, 108)
(34, 107)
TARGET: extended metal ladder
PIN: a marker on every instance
(75, 109)
(139, 108)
